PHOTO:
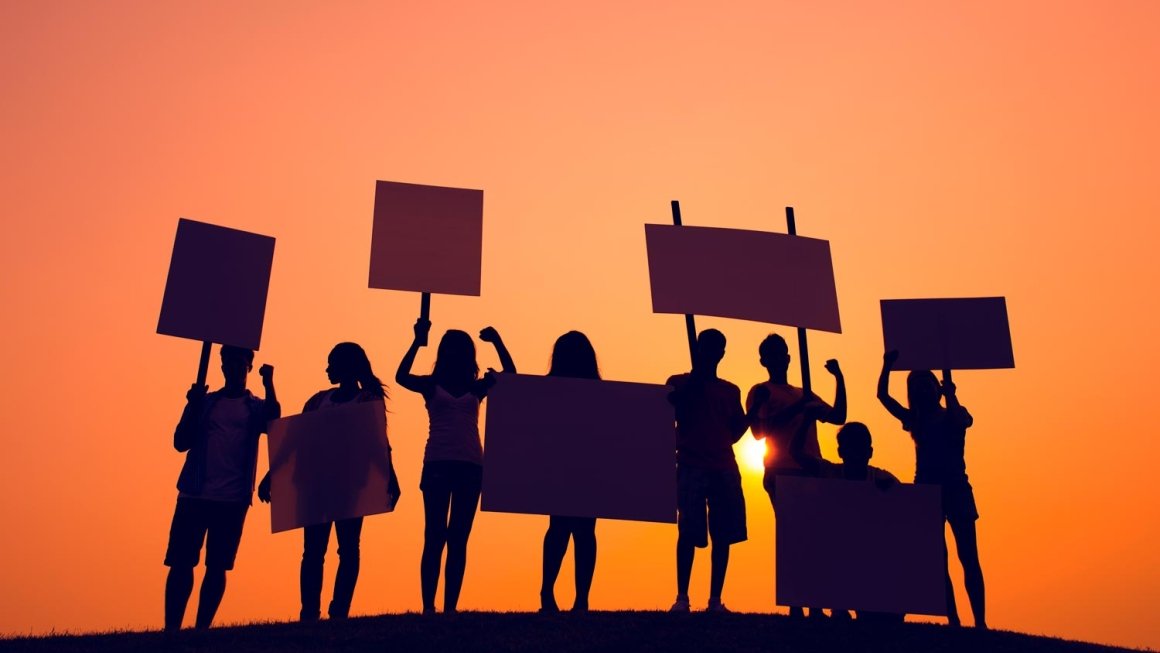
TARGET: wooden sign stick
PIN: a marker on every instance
(803, 343)
(690, 325)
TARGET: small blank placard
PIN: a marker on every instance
(580, 448)
(328, 465)
(748, 275)
(948, 334)
(427, 238)
(217, 285)
(849, 545)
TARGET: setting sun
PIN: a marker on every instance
(751, 452)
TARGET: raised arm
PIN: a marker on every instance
(403, 376)
(892, 406)
(273, 408)
(186, 432)
(954, 408)
(489, 334)
(837, 414)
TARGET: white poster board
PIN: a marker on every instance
(217, 285)
(948, 334)
(427, 238)
(580, 448)
(747, 275)
(849, 545)
(328, 465)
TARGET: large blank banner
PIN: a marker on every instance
(580, 448)
(948, 334)
(849, 545)
(748, 275)
(329, 464)
(217, 285)
(427, 238)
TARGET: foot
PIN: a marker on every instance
(816, 613)
(548, 604)
(429, 611)
(840, 615)
(580, 607)
(680, 605)
(981, 625)
(796, 613)
(715, 605)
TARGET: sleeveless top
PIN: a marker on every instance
(454, 433)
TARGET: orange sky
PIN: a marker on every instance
(943, 149)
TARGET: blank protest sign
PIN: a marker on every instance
(948, 334)
(427, 238)
(848, 545)
(217, 285)
(748, 275)
(580, 448)
(329, 464)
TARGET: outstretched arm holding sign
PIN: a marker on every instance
(424, 385)
(891, 404)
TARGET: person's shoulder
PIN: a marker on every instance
(728, 386)
(316, 399)
(878, 473)
(677, 379)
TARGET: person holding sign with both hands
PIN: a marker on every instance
(453, 460)
(939, 442)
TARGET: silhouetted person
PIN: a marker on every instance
(855, 448)
(219, 432)
(572, 356)
(349, 367)
(453, 460)
(940, 436)
(710, 502)
(780, 409)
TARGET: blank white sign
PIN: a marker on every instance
(328, 465)
(748, 275)
(848, 545)
(948, 334)
(580, 448)
(217, 285)
(427, 238)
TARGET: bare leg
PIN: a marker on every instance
(968, 548)
(720, 560)
(555, 546)
(178, 587)
(213, 587)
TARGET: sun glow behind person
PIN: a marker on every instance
(750, 453)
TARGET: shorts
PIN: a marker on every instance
(710, 503)
(216, 523)
(451, 476)
(958, 500)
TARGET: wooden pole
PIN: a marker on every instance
(690, 324)
(203, 364)
(425, 310)
(803, 342)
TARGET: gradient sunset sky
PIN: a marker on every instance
(944, 149)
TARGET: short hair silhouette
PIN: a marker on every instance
(854, 442)
(241, 353)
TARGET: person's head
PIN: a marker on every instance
(774, 353)
(855, 446)
(236, 364)
(922, 389)
(455, 359)
(574, 356)
(710, 348)
(348, 363)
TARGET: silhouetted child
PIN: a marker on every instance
(855, 448)
(572, 356)
(349, 367)
(780, 409)
(453, 459)
(940, 441)
(710, 501)
(219, 432)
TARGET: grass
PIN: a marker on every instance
(564, 633)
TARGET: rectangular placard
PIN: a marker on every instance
(328, 465)
(217, 285)
(427, 238)
(580, 448)
(849, 545)
(948, 334)
(747, 275)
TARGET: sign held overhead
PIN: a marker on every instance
(427, 239)
(747, 275)
(217, 285)
(948, 334)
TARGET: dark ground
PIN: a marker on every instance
(566, 633)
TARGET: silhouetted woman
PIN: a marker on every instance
(349, 367)
(572, 356)
(940, 441)
(453, 459)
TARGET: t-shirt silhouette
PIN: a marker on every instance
(704, 416)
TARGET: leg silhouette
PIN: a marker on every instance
(584, 537)
(952, 607)
(178, 587)
(315, 540)
(213, 586)
(968, 550)
(463, 503)
(720, 562)
(685, 551)
(555, 546)
(348, 532)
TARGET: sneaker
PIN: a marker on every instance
(715, 605)
(680, 605)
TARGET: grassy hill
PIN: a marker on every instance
(565, 633)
